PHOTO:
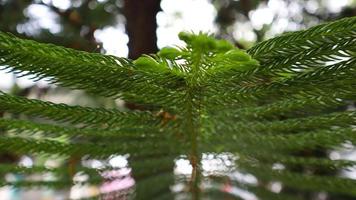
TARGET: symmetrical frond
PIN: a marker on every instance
(73, 114)
(98, 74)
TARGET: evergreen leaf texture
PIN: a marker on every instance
(265, 123)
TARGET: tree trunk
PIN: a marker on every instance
(141, 26)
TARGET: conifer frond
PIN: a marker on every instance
(72, 114)
(27, 128)
(273, 113)
(22, 145)
(291, 126)
(306, 162)
(297, 107)
(96, 73)
(316, 35)
(305, 182)
(302, 55)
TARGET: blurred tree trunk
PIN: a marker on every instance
(141, 26)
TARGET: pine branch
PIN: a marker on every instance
(315, 33)
(95, 73)
(304, 182)
(90, 149)
(73, 114)
(290, 126)
(291, 108)
(26, 128)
